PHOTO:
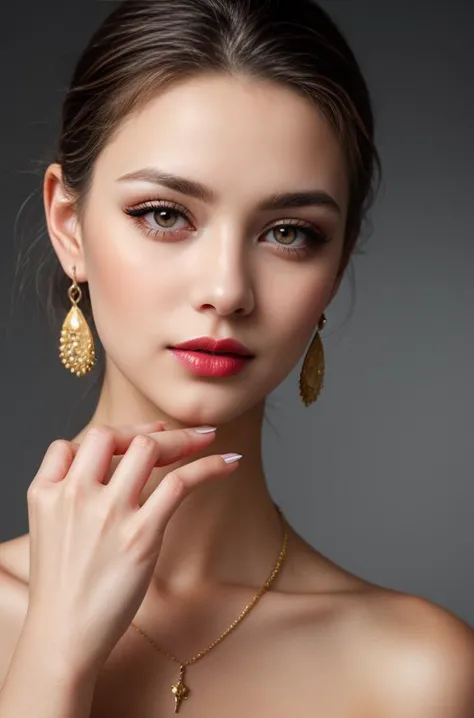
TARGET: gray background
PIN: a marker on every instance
(378, 473)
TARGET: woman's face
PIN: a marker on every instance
(216, 266)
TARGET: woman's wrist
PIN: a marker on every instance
(42, 683)
(57, 652)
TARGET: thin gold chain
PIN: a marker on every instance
(243, 614)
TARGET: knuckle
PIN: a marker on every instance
(40, 496)
(75, 492)
(103, 433)
(72, 490)
(59, 446)
(176, 485)
(33, 493)
(58, 452)
(55, 463)
(144, 443)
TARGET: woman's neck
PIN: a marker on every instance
(227, 531)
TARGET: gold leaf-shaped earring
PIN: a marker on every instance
(312, 371)
(76, 346)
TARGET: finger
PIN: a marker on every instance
(133, 429)
(153, 516)
(56, 463)
(148, 451)
(93, 457)
(125, 434)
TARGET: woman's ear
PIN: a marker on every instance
(62, 222)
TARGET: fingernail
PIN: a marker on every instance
(230, 458)
(205, 429)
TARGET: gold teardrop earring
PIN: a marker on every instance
(312, 371)
(76, 345)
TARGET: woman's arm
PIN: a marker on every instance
(41, 682)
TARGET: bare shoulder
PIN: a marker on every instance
(401, 654)
(13, 597)
(419, 656)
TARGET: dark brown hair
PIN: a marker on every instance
(144, 47)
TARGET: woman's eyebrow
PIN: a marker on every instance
(205, 194)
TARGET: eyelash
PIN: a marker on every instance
(314, 237)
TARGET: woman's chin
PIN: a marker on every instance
(183, 409)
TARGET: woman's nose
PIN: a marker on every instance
(222, 278)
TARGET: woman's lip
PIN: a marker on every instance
(228, 345)
(206, 364)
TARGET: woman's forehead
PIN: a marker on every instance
(223, 129)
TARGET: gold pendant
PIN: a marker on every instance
(180, 690)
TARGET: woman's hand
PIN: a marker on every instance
(93, 548)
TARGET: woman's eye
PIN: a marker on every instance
(285, 235)
(163, 217)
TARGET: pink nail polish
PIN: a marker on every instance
(230, 458)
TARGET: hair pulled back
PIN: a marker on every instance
(145, 46)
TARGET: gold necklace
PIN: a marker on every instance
(180, 690)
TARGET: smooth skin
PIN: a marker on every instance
(90, 538)
(176, 543)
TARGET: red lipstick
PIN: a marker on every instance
(205, 356)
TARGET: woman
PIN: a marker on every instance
(215, 164)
